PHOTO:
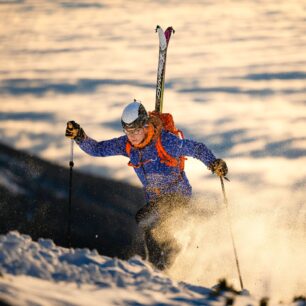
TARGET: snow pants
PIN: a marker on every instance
(156, 221)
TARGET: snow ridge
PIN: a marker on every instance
(19, 255)
(41, 273)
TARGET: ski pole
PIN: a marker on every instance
(71, 164)
(231, 231)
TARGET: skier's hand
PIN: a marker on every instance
(74, 131)
(218, 167)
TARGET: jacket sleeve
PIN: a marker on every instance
(186, 147)
(115, 146)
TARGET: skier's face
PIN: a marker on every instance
(136, 136)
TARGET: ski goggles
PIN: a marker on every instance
(131, 132)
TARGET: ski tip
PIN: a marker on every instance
(168, 33)
(170, 29)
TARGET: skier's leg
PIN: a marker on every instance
(154, 223)
(169, 207)
(146, 218)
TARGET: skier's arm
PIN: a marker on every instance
(198, 150)
(111, 147)
(186, 147)
(115, 146)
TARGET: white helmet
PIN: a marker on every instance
(134, 115)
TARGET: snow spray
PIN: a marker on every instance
(270, 236)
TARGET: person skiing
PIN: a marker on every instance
(157, 157)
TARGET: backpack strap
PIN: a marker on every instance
(168, 159)
(128, 148)
(164, 156)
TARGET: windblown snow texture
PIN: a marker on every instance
(44, 261)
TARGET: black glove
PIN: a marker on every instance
(74, 131)
(219, 167)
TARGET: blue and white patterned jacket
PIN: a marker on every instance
(154, 175)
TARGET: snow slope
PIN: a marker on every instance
(40, 273)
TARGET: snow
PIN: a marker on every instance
(235, 80)
(40, 273)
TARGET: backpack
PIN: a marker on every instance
(168, 125)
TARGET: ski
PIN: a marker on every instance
(164, 38)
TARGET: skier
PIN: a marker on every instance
(157, 157)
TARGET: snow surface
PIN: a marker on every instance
(40, 273)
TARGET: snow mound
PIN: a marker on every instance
(41, 273)
(20, 257)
